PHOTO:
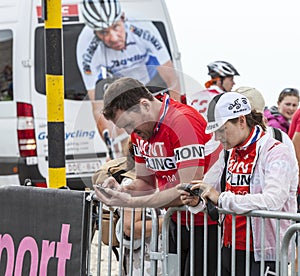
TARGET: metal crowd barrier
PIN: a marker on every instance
(170, 262)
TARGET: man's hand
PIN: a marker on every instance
(111, 183)
(186, 196)
(112, 197)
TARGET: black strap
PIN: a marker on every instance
(116, 252)
(277, 134)
(223, 177)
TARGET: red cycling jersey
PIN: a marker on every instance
(178, 142)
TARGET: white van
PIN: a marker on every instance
(23, 114)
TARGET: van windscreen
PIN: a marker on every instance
(139, 57)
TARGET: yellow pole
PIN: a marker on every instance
(55, 93)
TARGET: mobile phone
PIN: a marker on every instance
(102, 190)
(188, 188)
(211, 208)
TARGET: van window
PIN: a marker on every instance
(6, 85)
(74, 86)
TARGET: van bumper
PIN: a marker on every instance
(10, 166)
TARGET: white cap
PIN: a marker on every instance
(255, 98)
(224, 107)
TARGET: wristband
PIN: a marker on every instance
(197, 208)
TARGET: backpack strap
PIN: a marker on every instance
(223, 177)
(277, 134)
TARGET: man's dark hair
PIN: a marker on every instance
(123, 94)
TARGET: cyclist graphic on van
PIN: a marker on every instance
(112, 44)
(23, 110)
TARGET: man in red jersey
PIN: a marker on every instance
(168, 139)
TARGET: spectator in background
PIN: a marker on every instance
(287, 104)
(222, 75)
(257, 102)
(110, 44)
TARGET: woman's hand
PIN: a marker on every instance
(208, 192)
(186, 197)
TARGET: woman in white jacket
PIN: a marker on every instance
(261, 174)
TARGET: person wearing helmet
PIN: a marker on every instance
(110, 44)
(222, 74)
(222, 80)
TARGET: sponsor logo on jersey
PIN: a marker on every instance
(240, 168)
(146, 35)
(88, 55)
(156, 159)
(190, 152)
(160, 163)
(126, 61)
(238, 179)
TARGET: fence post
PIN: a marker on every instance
(285, 247)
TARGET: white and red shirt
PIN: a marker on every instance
(178, 142)
(241, 164)
(200, 101)
(262, 174)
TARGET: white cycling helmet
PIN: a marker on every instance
(126, 241)
(101, 14)
(221, 69)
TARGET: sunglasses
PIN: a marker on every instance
(290, 91)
